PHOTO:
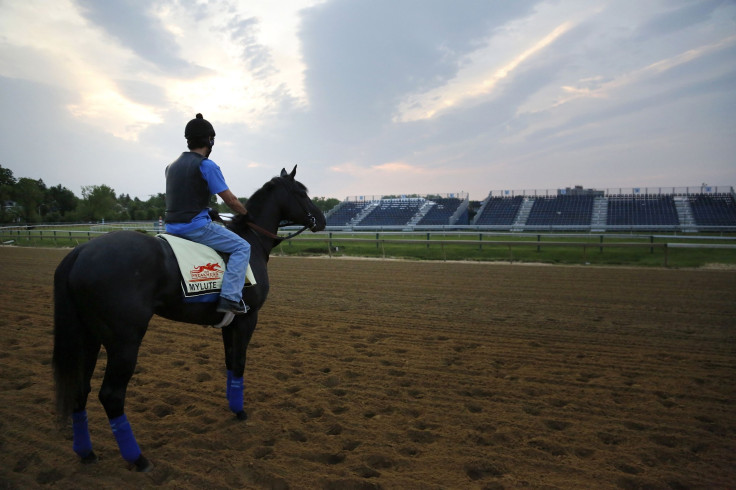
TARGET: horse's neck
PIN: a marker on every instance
(267, 216)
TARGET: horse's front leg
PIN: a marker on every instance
(236, 337)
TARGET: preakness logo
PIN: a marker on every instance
(209, 272)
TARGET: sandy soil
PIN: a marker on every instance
(386, 374)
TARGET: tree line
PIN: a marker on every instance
(26, 200)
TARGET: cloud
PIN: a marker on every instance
(363, 57)
(137, 28)
(473, 82)
(142, 92)
(257, 57)
(641, 89)
(678, 18)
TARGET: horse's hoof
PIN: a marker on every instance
(91, 458)
(241, 415)
(142, 465)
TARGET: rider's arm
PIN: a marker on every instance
(232, 201)
(216, 183)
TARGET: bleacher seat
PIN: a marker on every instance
(392, 212)
(500, 211)
(346, 212)
(543, 211)
(713, 209)
(562, 210)
(441, 212)
(642, 210)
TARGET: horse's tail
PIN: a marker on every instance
(68, 357)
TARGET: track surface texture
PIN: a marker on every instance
(392, 374)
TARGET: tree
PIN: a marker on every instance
(155, 207)
(7, 182)
(60, 201)
(98, 203)
(6, 177)
(324, 203)
(30, 194)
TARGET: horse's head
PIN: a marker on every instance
(280, 202)
(296, 206)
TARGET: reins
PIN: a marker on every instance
(269, 234)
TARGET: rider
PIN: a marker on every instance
(190, 181)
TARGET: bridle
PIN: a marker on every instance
(311, 220)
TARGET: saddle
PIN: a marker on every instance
(201, 268)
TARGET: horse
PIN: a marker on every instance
(107, 290)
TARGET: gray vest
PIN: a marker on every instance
(187, 193)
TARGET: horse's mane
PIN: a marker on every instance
(239, 222)
(255, 203)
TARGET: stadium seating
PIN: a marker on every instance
(345, 212)
(500, 211)
(441, 212)
(561, 210)
(713, 209)
(641, 211)
(392, 212)
(569, 209)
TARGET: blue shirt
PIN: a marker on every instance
(212, 174)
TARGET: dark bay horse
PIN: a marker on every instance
(107, 290)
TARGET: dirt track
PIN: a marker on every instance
(383, 374)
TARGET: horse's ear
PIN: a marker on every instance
(283, 172)
(293, 173)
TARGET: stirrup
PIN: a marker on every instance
(227, 319)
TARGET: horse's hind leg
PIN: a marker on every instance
(82, 444)
(121, 360)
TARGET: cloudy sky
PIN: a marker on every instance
(373, 96)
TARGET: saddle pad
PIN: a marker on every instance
(201, 268)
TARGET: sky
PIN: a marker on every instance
(372, 97)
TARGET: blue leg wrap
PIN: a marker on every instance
(235, 394)
(229, 380)
(129, 449)
(82, 444)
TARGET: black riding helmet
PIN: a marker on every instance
(200, 132)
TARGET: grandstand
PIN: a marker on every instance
(713, 209)
(403, 212)
(642, 211)
(688, 209)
